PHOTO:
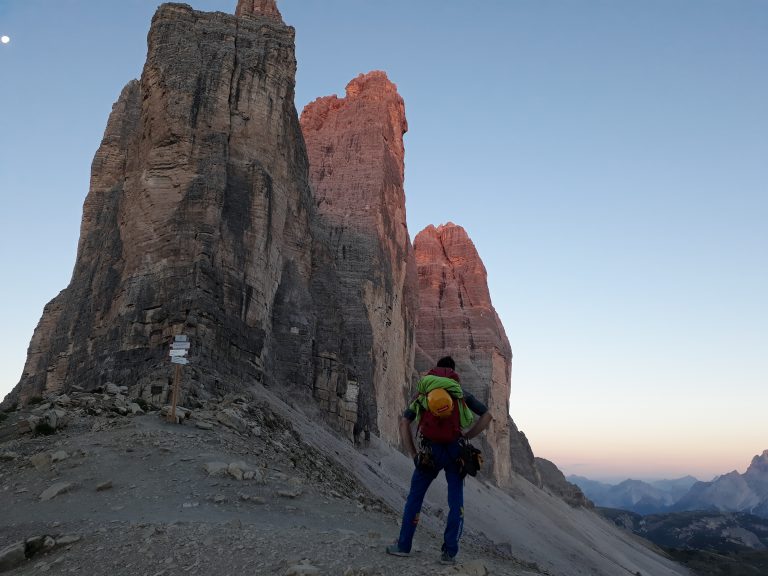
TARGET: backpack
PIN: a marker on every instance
(441, 430)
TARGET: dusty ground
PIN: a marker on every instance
(158, 511)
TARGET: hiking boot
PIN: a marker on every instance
(446, 558)
(394, 550)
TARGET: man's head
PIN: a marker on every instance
(446, 362)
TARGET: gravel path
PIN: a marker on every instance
(135, 495)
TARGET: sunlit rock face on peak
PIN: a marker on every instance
(266, 8)
(356, 157)
(456, 317)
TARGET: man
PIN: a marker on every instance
(437, 456)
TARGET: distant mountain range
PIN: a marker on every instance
(635, 495)
(709, 543)
(715, 531)
(732, 492)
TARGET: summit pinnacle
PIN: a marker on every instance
(258, 8)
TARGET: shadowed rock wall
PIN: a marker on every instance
(197, 220)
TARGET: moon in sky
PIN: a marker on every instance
(5, 39)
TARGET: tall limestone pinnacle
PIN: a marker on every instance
(197, 222)
(356, 156)
(456, 317)
(266, 8)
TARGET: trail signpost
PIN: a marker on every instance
(178, 355)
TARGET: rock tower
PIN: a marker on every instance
(356, 155)
(198, 220)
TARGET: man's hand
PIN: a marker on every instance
(407, 438)
(482, 423)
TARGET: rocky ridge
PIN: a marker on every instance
(247, 483)
(732, 492)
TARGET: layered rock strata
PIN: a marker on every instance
(356, 156)
(198, 220)
(456, 317)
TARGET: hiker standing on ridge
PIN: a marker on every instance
(442, 411)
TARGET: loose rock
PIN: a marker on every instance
(59, 456)
(232, 419)
(55, 490)
(216, 468)
(12, 556)
(302, 570)
(28, 424)
(289, 492)
(41, 461)
(238, 469)
(38, 544)
(474, 568)
(67, 539)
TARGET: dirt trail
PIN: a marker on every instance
(141, 496)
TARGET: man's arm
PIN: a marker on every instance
(482, 423)
(406, 437)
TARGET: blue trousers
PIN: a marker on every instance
(444, 456)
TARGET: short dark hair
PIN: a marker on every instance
(446, 362)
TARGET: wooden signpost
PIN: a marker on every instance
(178, 355)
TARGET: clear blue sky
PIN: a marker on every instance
(608, 158)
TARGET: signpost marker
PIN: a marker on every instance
(178, 356)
